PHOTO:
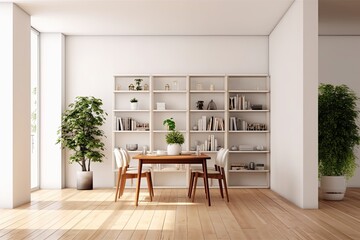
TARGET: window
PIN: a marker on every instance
(34, 109)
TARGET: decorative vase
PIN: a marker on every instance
(211, 105)
(332, 187)
(173, 149)
(84, 180)
(134, 106)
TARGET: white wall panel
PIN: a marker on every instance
(339, 61)
(293, 71)
(91, 62)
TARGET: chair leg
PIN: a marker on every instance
(117, 185)
(191, 182)
(225, 184)
(122, 185)
(205, 187)
(149, 185)
(195, 183)
(221, 189)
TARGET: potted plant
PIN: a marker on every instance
(338, 136)
(133, 104)
(80, 133)
(174, 138)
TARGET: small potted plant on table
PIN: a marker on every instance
(174, 138)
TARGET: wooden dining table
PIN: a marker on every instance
(172, 159)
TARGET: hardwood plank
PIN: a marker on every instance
(250, 214)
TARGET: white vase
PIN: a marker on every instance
(173, 149)
(332, 187)
(134, 106)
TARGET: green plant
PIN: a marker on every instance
(338, 130)
(138, 82)
(133, 100)
(80, 133)
(174, 136)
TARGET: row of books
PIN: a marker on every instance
(238, 124)
(239, 103)
(130, 124)
(210, 144)
(210, 124)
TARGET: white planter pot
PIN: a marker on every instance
(332, 187)
(174, 149)
(134, 106)
(84, 180)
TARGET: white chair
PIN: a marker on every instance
(218, 173)
(122, 161)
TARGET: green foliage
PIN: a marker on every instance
(173, 137)
(80, 133)
(133, 100)
(338, 130)
(170, 124)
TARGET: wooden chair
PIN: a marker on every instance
(218, 173)
(122, 158)
(194, 169)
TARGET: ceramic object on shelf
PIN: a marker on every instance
(211, 105)
(131, 146)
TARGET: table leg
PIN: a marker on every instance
(206, 181)
(138, 183)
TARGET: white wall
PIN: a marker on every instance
(293, 71)
(339, 58)
(15, 112)
(91, 63)
(52, 98)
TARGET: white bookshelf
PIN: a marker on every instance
(180, 94)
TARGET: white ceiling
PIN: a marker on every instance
(156, 17)
(181, 17)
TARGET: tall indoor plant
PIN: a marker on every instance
(80, 133)
(338, 136)
(174, 138)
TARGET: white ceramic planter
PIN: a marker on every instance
(332, 187)
(173, 149)
(84, 180)
(134, 106)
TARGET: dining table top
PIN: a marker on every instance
(169, 157)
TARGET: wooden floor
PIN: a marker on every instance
(251, 214)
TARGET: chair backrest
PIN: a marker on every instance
(219, 156)
(118, 158)
(224, 158)
(127, 157)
